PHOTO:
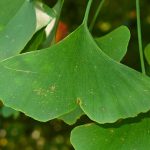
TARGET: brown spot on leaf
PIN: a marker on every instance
(78, 101)
(44, 92)
(40, 92)
(52, 88)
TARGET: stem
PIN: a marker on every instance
(58, 7)
(140, 36)
(96, 15)
(51, 37)
(85, 20)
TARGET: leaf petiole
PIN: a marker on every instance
(140, 36)
(96, 14)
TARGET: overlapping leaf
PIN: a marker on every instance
(18, 28)
(115, 43)
(20, 20)
(71, 117)
(74, 72)
(130, 136)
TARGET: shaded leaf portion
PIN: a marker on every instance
(70, 73)
(7, 112)
(71, 117)
(47, 19)
(35, 42)
(131, 136)
(147, 53)
(115, 43)
(18, 30)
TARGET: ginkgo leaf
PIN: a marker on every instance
(147, 53)
(114, 44)
(129, 136)
(20, 20)
(19, 27)
(73, 72)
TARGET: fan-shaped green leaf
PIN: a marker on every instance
(114, 44)
(131, 136)
(73, 72)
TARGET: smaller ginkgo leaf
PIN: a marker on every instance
(147, 53)
(130, 136)
(73, 72)
(18, 30)
(114, 44)
(17, 27)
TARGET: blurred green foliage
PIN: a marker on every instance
(27, 134)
